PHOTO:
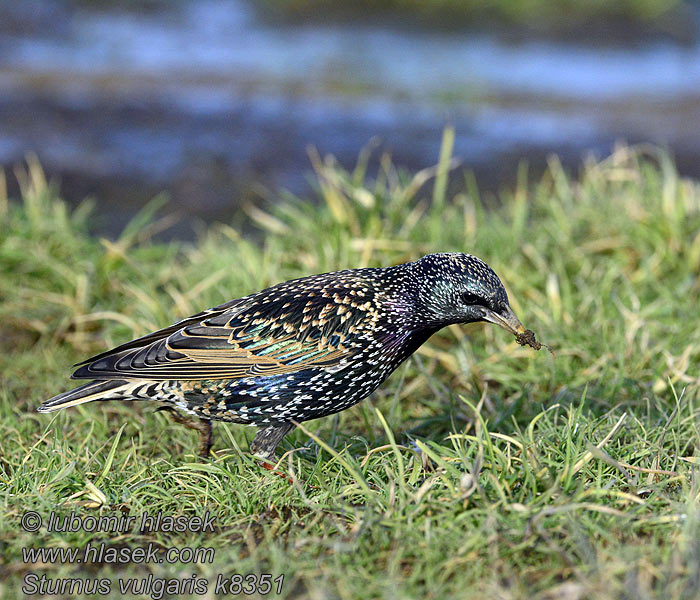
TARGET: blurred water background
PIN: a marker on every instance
(216, 101)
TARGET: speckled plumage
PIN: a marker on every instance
(299, 350)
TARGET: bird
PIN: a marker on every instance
(296, 351)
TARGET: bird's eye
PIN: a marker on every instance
(469, 298)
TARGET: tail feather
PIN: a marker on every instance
(95, 390)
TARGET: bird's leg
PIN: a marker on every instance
(202, 426)
(206, 437)
(265, 442)
(267, 438)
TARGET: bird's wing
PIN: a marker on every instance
(161, 334)
(273, 332)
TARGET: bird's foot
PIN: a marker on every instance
(267, 466)
(202, 426)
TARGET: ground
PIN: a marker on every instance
(481, 469)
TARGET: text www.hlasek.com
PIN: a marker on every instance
(104, 553)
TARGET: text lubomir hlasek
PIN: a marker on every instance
(146, 522)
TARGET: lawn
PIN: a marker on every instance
(481, 469)
(540, 15)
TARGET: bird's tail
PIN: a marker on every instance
(95, 390)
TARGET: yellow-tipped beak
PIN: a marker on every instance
(508, 320)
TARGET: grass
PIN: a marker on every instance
(540, 15)
(479, 470)
(532, 13)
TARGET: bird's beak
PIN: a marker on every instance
(505, 319)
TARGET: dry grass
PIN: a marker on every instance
(481, 469)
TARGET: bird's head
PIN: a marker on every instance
(461, 288)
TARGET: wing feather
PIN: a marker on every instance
(160, 334)
(273, 332)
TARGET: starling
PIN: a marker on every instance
(296, 351)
